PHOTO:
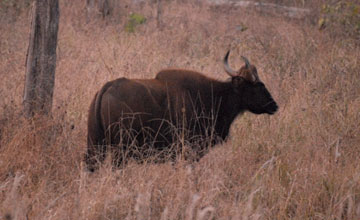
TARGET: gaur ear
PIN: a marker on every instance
(237, 81)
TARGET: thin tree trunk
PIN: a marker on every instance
(95, 7)
(104, 8)
(41, 58)
(159, 15)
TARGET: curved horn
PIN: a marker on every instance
(247, 63)
(227, 68)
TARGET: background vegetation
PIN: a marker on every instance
(301, 163)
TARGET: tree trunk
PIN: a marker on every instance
(159, 15)
(95, 7)
(41, 58)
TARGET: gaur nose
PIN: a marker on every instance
(274, 107)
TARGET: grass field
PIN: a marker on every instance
(301, 163)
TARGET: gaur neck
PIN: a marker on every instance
(230, 107)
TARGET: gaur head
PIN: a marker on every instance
(250, 91)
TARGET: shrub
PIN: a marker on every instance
(342, 15)
(134, 20)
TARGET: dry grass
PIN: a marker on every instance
(302, 163)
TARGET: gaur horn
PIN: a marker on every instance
(228, 70)
(247, 63)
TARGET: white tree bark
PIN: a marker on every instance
(291, 12)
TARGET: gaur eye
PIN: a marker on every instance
(260, 84)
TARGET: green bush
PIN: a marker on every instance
(134, 20)
(345, 15)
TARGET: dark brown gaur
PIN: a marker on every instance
(136, 118)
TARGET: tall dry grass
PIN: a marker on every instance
(301, 163)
